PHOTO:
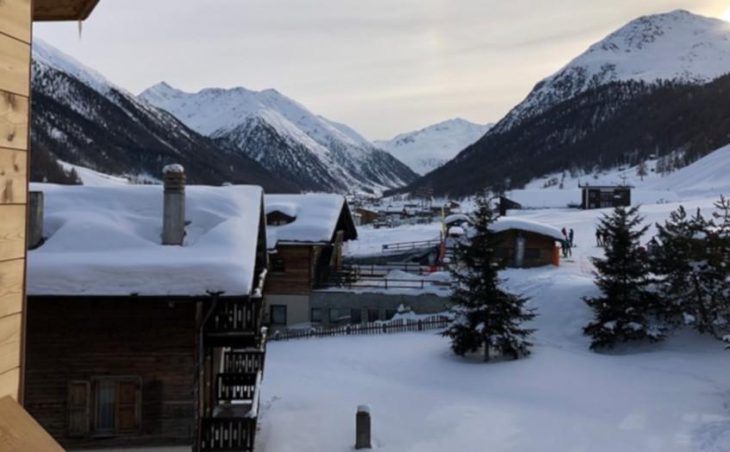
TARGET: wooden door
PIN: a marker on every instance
(128, 406)
(79, 416)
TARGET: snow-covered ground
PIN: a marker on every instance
(370, 240)
(672, 396)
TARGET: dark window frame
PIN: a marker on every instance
(95, 385)
(272, 316)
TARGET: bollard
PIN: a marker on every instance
(362, 428)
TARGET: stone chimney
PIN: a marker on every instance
(35, 219)
(173, 215)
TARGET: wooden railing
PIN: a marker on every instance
(235, 361)
(371, 282)
(237, 387)
(235, 316)
(406, 246)
(227, 434)
(393, 326)
(384, 269)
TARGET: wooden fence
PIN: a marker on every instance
(371, 328)
(407, 246)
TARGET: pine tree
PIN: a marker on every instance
(486, 317)
(625, 308)
(715, 271)
(675, 262)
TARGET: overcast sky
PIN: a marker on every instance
(380, 66)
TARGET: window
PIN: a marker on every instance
(316, 315)
(278, 314)
(355, 316)
(277, 265)
(373, 315)
(106, 406)
(337, 315)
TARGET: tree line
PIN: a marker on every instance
(679, 279)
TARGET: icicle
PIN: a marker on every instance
(81, 26)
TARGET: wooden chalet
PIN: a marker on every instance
(605, 196)
(135, 343)
(525, 243)
(17, 430)
(305, 234)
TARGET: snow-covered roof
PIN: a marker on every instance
(315, 217)
(457, 217)
(520, 224)
(106, 241)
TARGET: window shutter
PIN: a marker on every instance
(78, 408)
(129, 406)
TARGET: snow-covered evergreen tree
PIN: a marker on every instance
(676, 262)
(624, 310)
(486, 316)
(715, 271)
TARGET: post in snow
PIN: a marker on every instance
(362, 428)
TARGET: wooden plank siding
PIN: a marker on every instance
(542, 245)
(76, 340)
(299, 270)
(15, 57)
(15, 19)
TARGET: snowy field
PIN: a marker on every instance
(370, 240)
(672, 396)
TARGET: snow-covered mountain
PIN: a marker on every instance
(426, 149)
(79, 117)
(676, 46)
(656, 87)
(285, 137)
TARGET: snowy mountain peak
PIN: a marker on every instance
(47, 56)
(426, 149)
(675, 46)
(278, 132)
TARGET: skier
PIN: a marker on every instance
(599, 241)
(565, 234)
(571, 236)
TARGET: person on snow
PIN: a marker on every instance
(599, 241)
(571, 236)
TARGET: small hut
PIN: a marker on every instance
(526, 243)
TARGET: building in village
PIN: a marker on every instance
(605, 196)
(364, 216)
(18, 430)
(522, 243)
(306, 234)
(144, 331)
(525, 243)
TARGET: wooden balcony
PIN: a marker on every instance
(234, 324)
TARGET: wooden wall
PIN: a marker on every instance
(542, 245)
(298, 276)
(15, 38)
(77, 339)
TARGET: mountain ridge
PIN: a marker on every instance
(278, 131)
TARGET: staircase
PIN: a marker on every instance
(231, 369)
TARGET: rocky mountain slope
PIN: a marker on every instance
(653, 88)
(426, 149)
(81, 118)
(285, 137)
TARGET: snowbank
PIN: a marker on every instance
(106, 241)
